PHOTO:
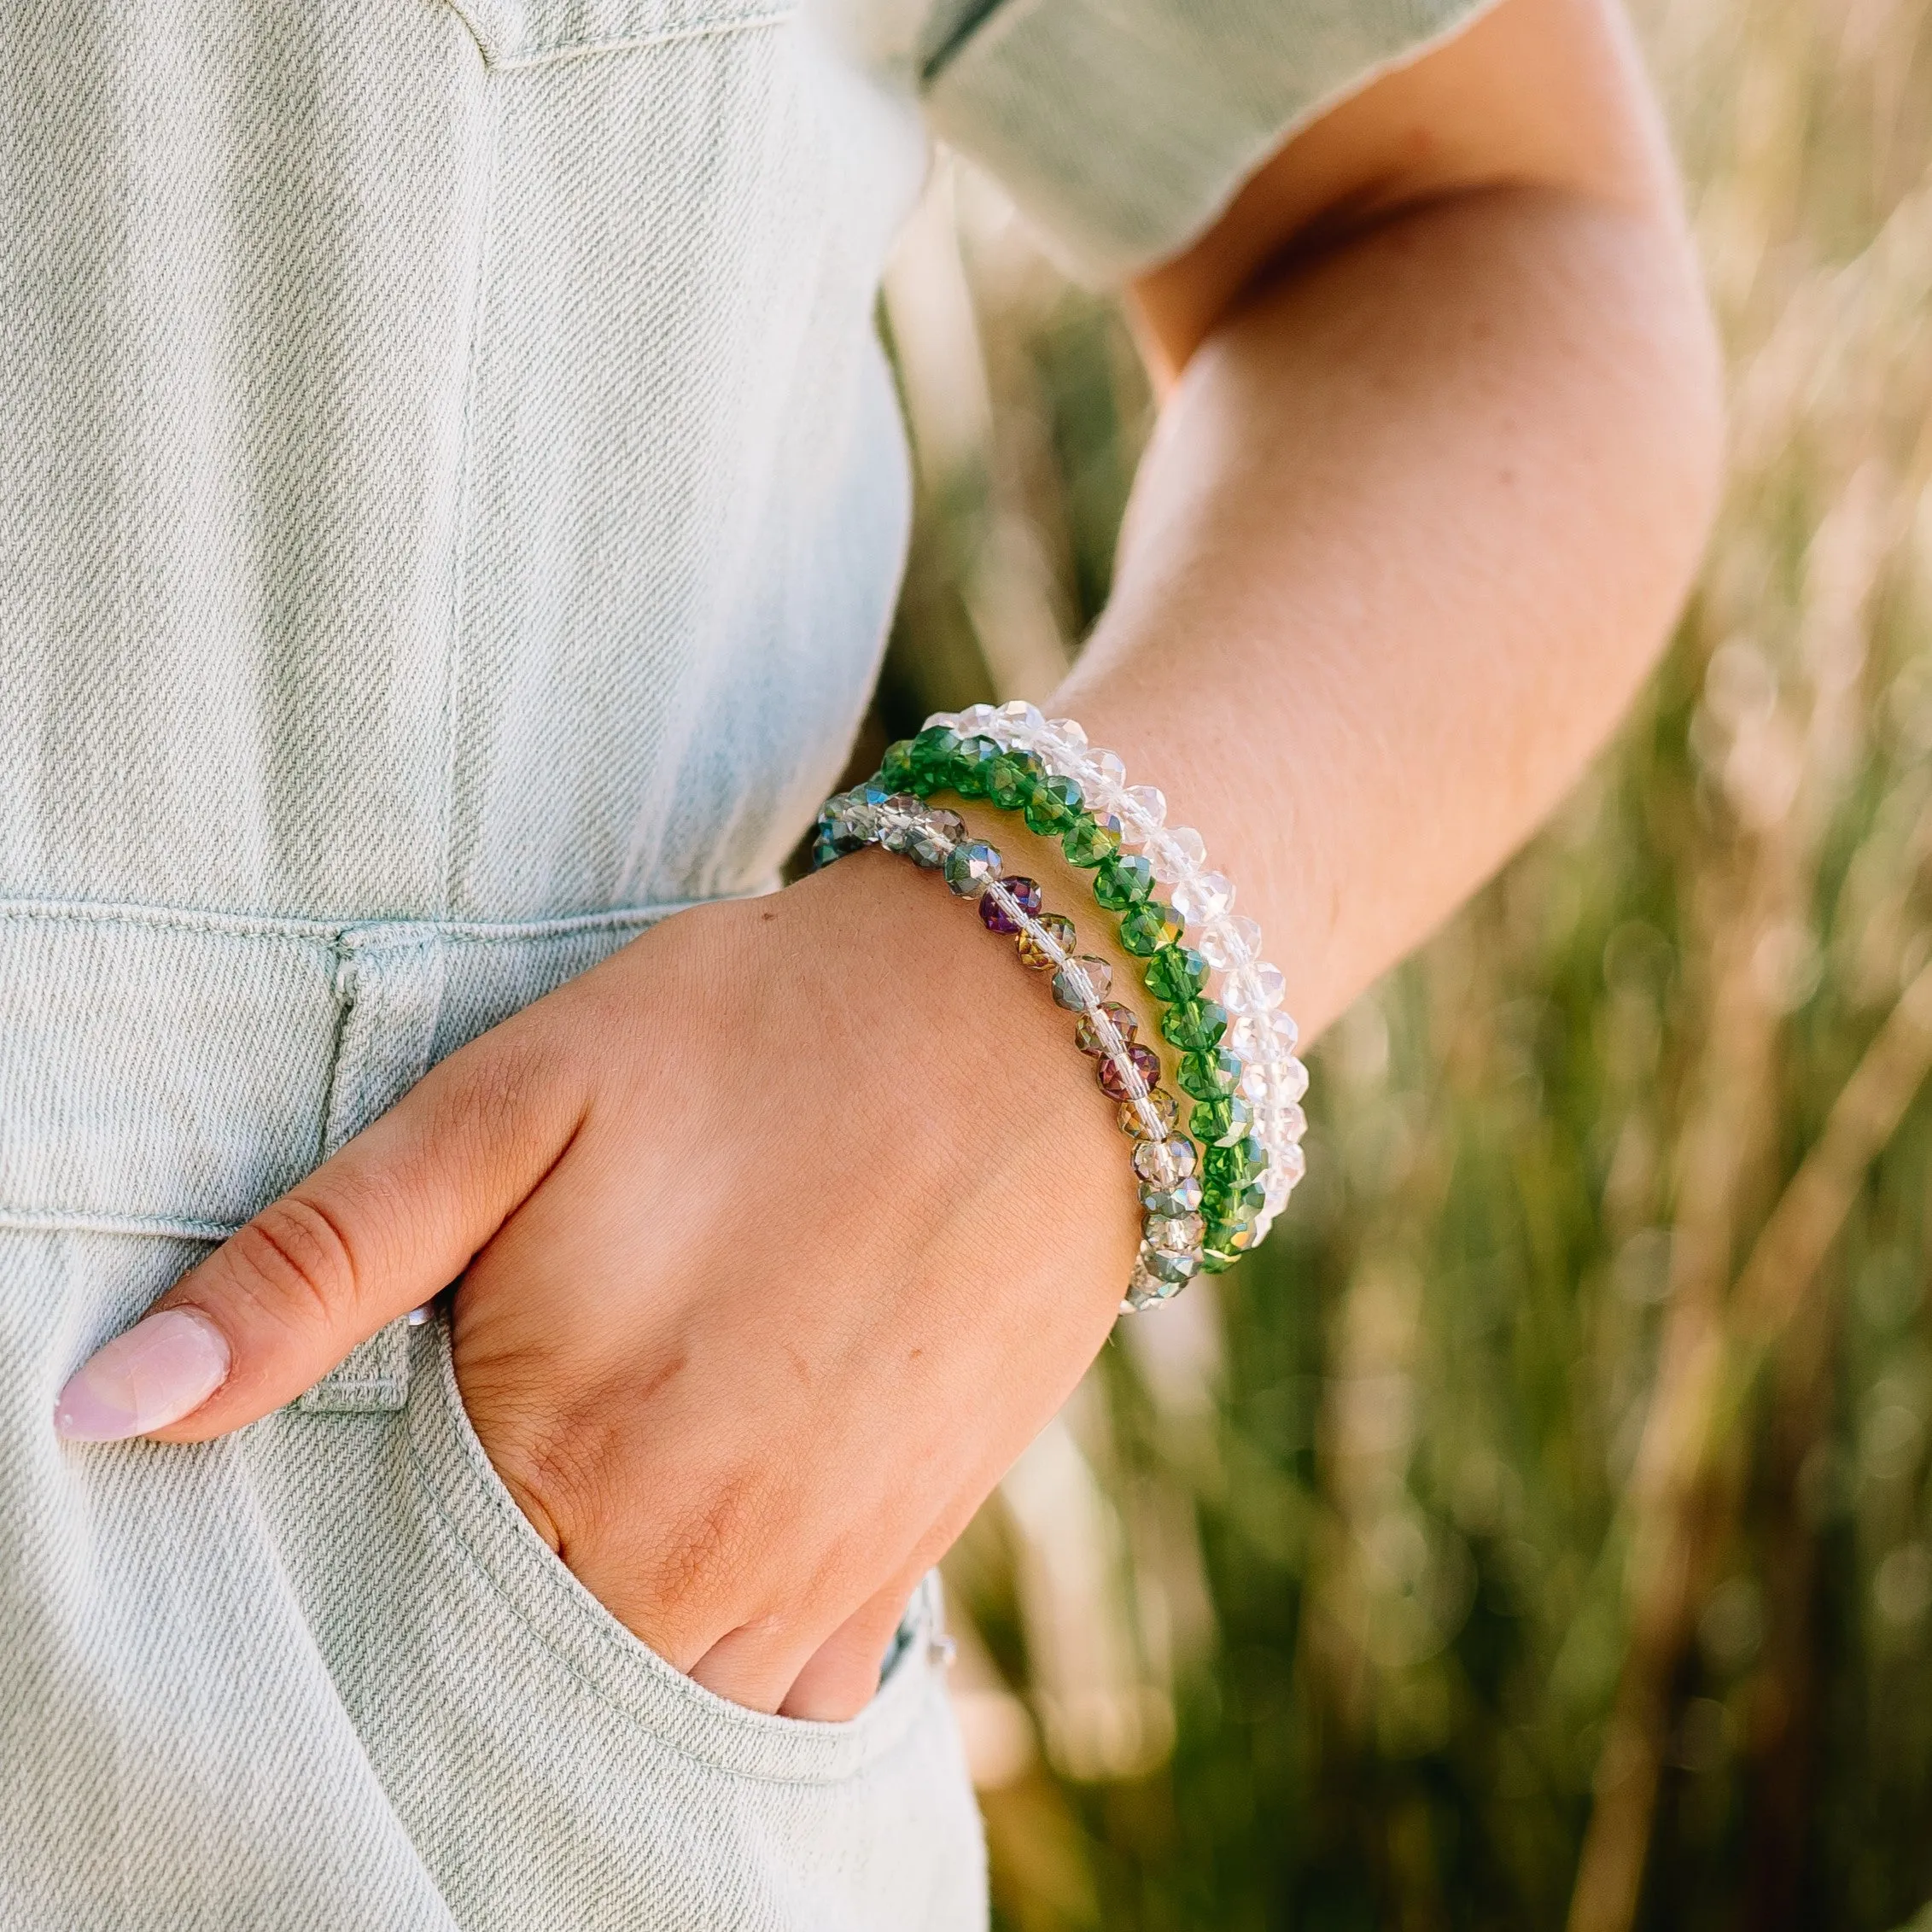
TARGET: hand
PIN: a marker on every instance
(781, 1232)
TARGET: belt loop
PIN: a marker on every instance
(389, 983)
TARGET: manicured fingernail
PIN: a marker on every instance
(162, 1369)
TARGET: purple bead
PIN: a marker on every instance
(1023, 892)
(1113, 1078)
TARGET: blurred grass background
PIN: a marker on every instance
(1540, 1531)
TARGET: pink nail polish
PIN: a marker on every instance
(164, 1368)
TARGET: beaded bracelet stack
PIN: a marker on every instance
(1243, 1153)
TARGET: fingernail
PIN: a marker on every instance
(164, 1368)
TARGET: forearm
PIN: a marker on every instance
(1415, 523)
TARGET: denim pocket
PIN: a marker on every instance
(520, 34)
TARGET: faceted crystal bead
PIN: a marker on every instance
(1124, 881)
(1000, 907)
(1161, 1104)
(931, 752)
(1052, 806)
(1259, 988)
(1011, 779)
(1175, 973)
(1058, 929)
(1176, 852)
(976, 720)
(1112, 1073)
(1236, 1166)
(823, 853)
(1221, 1121)
(1069, 733)
(1291, 1164)
(1204, 897)
(1080, 980)
(1111, 770)
(1093, 838)
(1230, 942)
(1149, 927)
(1234, 1203)
(896, 768)
(973, 764)
(1184, 1197)
(1173, 1270)
(1179, 1234)
(1283, 1125)
(1262, 1036)
(1209, 1076)
(1145, 806)
(1086, 1035)
(1164, 1163)
(1195, 1026)
(1022, 722)
(1274, 1083)
(941, 833)
(972, 867)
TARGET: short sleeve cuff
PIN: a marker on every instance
(1124, 127)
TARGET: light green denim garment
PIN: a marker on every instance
(450, 501)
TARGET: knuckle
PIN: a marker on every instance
(293, 1261)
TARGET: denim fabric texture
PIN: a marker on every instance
(452, 500)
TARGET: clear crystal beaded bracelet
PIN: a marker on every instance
(1128, 1073)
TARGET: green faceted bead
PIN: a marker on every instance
(1210, 1075)
(1227, 1117)
(1146, 930)
(1214, 1261)
(1091, 839)
(1011, 779)
(1175, 973)
(1123, 882)
(896, 768)
(1195, 1026)
(933, 753)
(1235, 1167)
(972, 766)
(1050, 809)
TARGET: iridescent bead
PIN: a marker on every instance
(1165, 1162)
(896, 768)
(1225, 1120)
(1086, 1035)
(1011, 779)
(1259, 988)
(1144, 804)
(824, 852)
(1283, 1124)
(1263, 1036)
(1236, 1205)
(1025, 721)
(1209, 1076)
(976, 720)
(1274, 1083)
(1080, 981)
(1176, 972)
(1195, 1026)
(1291, 1164)
(1183, 1197)
(1069, 732)
(1148, 927)
(1230, 942)
(1113, 1074)
(1176, 852)
(1172, 1269)
(1050, 809)
(1093, 838)
(972, 867)
(1179, 1234)
(931, 753)
(1122, 882)
(1000, 911)
(971, 765)
(1204, 897)
(1058, 929)
(1165, 1108)
(942, 834)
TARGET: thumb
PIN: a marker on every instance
(376, 1231)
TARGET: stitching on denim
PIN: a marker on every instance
(333, 933)
(672, 36)
(77, 1221)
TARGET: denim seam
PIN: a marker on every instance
(79, 1221)
(335, 932)
(558, 51)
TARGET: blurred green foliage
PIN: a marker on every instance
(1541, 1528)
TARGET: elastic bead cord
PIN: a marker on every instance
(936, 839)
